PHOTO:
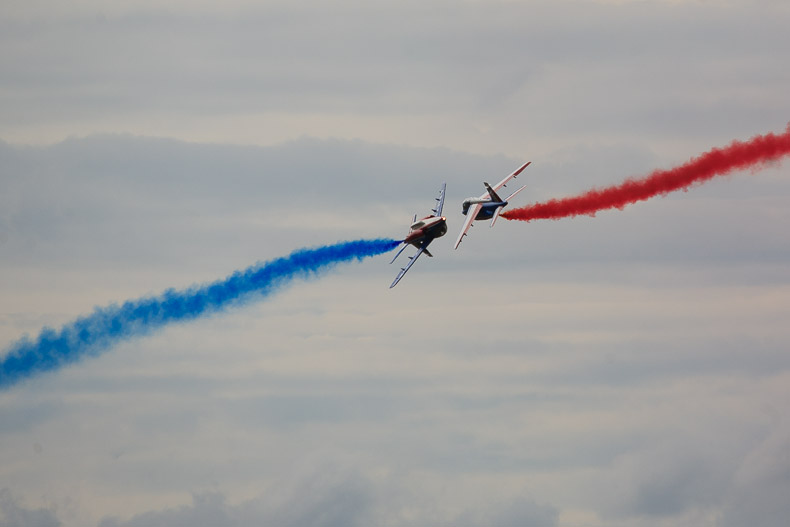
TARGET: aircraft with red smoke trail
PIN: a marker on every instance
(489, 205)
(422, 232)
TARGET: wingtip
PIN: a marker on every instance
(459, 240)
(525, 165)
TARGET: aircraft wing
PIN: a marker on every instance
(405, 269)
(437, 210)
(505, 181)
(471, 214)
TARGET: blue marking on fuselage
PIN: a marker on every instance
(487, 210)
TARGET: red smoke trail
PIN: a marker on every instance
(754, 153)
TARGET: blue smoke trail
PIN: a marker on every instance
(94, 333)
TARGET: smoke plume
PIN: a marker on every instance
(95, 333)
(751, 154)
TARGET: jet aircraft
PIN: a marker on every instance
(487, 206)
(422, 233)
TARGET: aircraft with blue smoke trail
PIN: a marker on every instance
(489, 205)
(422, 232)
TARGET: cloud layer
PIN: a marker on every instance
(625, 370)
(600, 360)
(481, 76)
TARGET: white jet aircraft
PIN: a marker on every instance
(489, 205)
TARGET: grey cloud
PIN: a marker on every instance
(738, 481)
(554, 352)
(206, 510)
(161, 171)
(175, 197)
(669, 490)
(318, 501)
(328, 503)
(635, 362)
(600, 62)
(762, 483)
(520, 512)
(294, 410)
(13, 514)
(20, 419)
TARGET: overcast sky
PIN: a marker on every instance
(628, 369)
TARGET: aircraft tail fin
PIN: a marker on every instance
(491, 192)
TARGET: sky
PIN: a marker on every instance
(627, 369)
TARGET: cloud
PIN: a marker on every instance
(519, 512)
(321, 501)
(762, 482)
(176, 198)
(623, 369)
(483, 77)
(158, 192)
(12, 514)
(328, 499)
(206, 510)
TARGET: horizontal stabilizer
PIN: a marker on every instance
(516, 192)
(496, 215)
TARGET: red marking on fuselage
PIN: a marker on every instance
(434, 227)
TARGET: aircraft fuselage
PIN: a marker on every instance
(487, 208)
(427, 228)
